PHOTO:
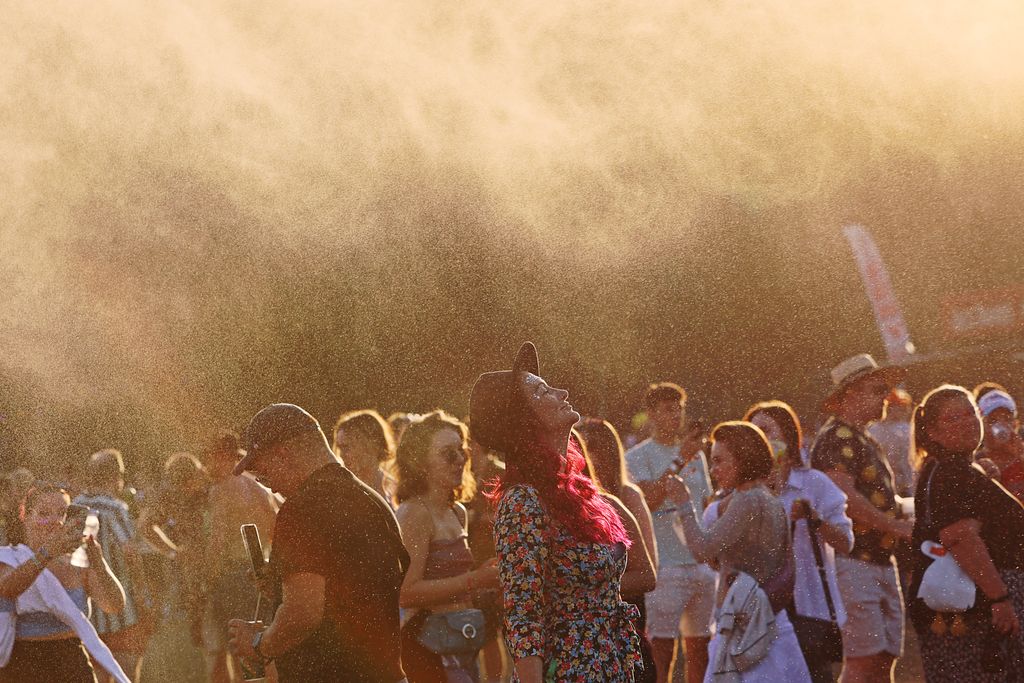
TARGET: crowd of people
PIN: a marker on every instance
(528, 543)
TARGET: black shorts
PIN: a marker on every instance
(48, 661)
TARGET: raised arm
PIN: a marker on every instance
(100, 583)
(640, 472)
(15, 580)
(707, 544)
(520, 526)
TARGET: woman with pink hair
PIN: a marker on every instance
(562, 548)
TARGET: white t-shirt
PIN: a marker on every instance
(647, 461)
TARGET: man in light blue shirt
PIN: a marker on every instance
(684, 597)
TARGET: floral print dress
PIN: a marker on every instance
(561, 596)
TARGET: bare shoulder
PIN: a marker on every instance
(413, 515)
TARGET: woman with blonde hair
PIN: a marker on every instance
(365, 442)
(433, 479)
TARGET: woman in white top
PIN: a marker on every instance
(813, 503)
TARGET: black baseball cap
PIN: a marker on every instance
(275, 424)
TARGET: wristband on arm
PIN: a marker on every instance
(42, 552)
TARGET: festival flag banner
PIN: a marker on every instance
(878, 286)
(983, 313)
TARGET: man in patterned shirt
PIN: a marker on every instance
(126, 633)
(868, 580)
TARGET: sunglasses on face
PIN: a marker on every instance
(453, 455)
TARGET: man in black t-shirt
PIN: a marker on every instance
(867, 579)
(337, 561)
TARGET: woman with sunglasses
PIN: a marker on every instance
(433, 479)
(817, 506)
(48, 645)
(562, 547)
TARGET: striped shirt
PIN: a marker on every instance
(116, 529)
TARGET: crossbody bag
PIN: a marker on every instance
(818, 635)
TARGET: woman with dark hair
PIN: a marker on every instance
(819, 525)
(750, 544)
(561, 546)
(606, 466)
(982, 526)
(433, 479)
(45, 599)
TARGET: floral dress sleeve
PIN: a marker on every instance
(520, 526)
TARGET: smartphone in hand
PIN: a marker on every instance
(76, 517)
(253, 670)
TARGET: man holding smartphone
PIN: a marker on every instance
(683, 599)
(126, 633)
(337, 562)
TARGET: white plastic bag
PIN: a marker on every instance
(944, 586)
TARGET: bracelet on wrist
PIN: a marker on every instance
(41, 558)
(1005, 597)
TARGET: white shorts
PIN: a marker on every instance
(681, 602)
(874, 607)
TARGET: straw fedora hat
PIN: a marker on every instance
(856, 368)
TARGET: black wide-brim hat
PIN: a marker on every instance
(495, 401)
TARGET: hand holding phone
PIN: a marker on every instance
(82, 523)
(253, 669)
(75, 518)
(253, 547)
